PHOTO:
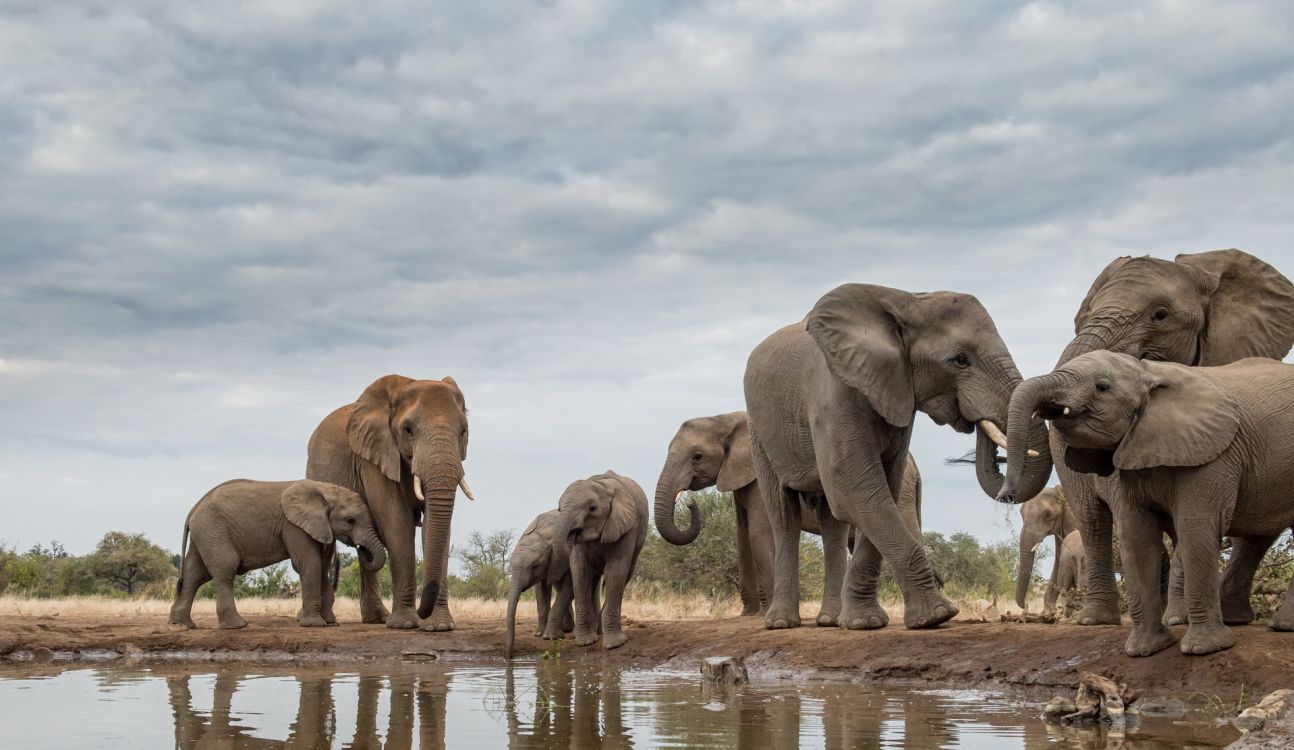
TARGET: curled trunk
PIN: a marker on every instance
(1021, 427)
(372, 553)
(1036, 471)
(671, 483)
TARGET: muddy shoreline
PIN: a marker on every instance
(960, 654)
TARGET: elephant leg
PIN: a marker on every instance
(760, 536)
(1052, 593)
(543, 597)
(1142, 545)
(595, 606)
(327, 592)
(835, 535)
(1095, 526)
(1175, 609)
(308, 564)
(1284, 618)
(1200, 544)
(371, 608)
(226, 612)
(555, 628)
(746, 585)
(193, 575)
(861, 610)
(783, 508)
(1238, 579)
(583, 578)
(395, 521)
(616, 576)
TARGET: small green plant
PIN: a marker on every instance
(554, 650)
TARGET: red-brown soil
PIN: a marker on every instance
(960, 654)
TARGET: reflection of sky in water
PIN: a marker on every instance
(543, 705)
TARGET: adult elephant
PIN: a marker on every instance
(1209, 308)
(831, 402)
(401, 446)
(1047, 515)
(715, 452)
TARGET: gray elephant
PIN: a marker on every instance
(532, 563)
(831, 402)
(715, 451)
(401, 446)
(1200, 452)
(601, 527)
(244, 525)
(1047, 515)
(1206, 308)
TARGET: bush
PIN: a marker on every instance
(129, 561)
(1273, 578)
(485, 566)
(970, 569)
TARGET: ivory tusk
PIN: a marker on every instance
(417, 487)
(998, 438)
(1065, 411)
(466, 490)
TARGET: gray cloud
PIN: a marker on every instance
(219, 223)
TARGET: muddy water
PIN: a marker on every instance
(542, 705)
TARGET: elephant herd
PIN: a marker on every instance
(1168, 413)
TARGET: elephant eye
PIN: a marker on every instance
(350, 520)
(408, 429)
(1102, 386)
(697, 456)
(961, 360)
(1160, 314)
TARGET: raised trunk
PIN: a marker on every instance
(514, 593)
(671, 482)
(1020, 423)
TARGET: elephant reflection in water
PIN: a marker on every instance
(313, 727)
(425, 691)
(569, 710)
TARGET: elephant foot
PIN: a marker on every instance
(614, 640)
(181, 625)
(1236, 611)
(182, 622)
(552, 633)
(1207, 638)
(585, 639)
(864, 616)
(927, 610)
(233, 623)
(749, 611)
(1147, 642)
(1175, 613)
(1283, 621)
(1096, 613)
(441, 621)
(402, 619)
(312, 621)
(329, 617)
(374, 615)
(780, 618)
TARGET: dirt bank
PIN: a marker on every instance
(959, 654)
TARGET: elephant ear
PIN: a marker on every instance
(738, 468)
(462, 405)
(1080, 318)
(623, 517)
(859, 329)
(1251, 313)
(1187, 420)
(369, 428)
(305, 507)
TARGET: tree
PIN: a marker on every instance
(485, 566)
(128, 561)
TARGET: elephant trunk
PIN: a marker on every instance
(561, 543)
(514, 594)
(673, 479)
(372, 553)
(1021, 427)
(1024, 574)
(439, 476)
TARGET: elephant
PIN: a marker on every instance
(830, 402)
(715, 451)
(244, 525)
(1208, 308)
(601, 528)
(1200, 452)
(1047, 515)
(401, 446)
(534, 563)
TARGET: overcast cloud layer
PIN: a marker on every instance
(220, 221)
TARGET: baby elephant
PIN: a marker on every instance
(244, 525)
(534, 563)
(601, 525)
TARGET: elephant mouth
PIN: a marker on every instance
(574, 536)
(1053, 411)
(365, 557)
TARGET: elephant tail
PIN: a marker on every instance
(184, 544)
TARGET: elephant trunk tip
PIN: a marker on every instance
(430, 593)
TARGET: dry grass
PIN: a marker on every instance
(638, 608)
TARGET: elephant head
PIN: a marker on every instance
(704, 452)
(1117, 412)
(530, 563)
(936, 352)
(328, 512)
(1207, 308)
(415, 433)
(597, 510)
(1047, 515)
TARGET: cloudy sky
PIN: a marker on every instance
(220, 221)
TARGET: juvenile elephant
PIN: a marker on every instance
(1199, 451)
(244, 525)
(534, 563)
(1206, 308)
(401, 447)
(1047, 515)
(831, 401)
(601, 527)
(715, 451)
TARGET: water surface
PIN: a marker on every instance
(543, 705)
